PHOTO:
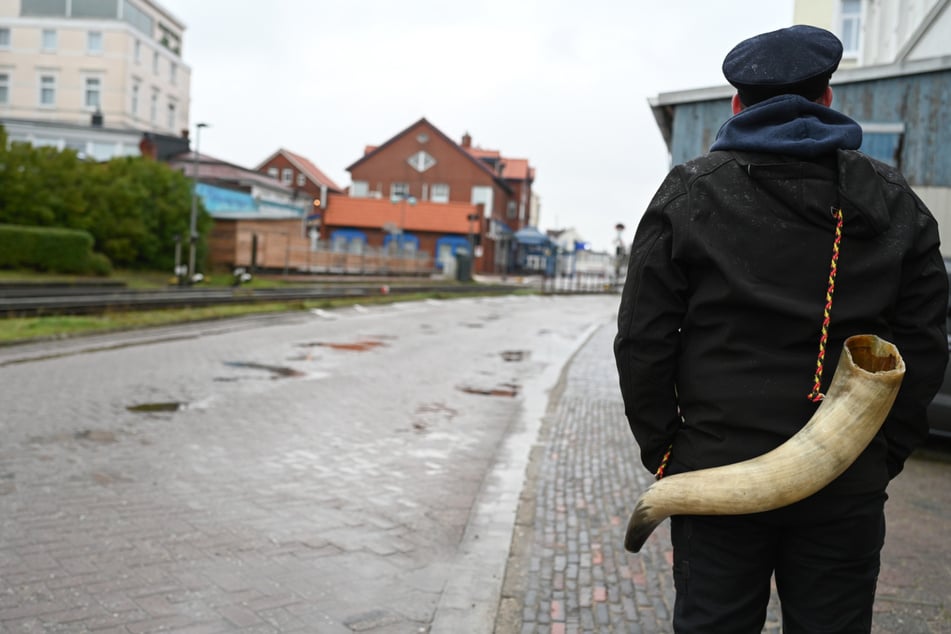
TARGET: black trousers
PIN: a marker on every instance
(824, 551)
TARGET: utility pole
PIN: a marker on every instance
(193, 222)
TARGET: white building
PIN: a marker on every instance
(91, 75)
(884, 38)
(882, 32)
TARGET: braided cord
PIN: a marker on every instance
(816, 394)
(663, 464)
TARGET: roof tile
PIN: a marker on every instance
(424, 216)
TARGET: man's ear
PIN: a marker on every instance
(826, 98)
(736, 103)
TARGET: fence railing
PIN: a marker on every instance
(290, 253)
(599, 282)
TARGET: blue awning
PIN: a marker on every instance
(530, 236)
(219, 199)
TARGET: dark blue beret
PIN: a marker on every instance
(796, 60)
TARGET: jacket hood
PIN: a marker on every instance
(812, 189)
(790, 125)
(802, 152)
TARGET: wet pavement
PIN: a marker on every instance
(568, 572)
(450, 467)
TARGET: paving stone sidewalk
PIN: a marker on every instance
(568, 572)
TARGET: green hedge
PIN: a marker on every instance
(50, 249)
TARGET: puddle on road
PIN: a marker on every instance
(355, 346)
(502, 389)
(277, 371)
(157, 408)
(516, 355)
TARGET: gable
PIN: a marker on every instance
(407, 152)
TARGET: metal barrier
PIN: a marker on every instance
(598, 282)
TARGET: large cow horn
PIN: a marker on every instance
(860, 396)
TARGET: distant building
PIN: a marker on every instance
(423, 164)
(91, 75)
(299, 173)
(258, 220)
(412, 227)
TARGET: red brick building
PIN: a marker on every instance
(299, 173)
(420, 173)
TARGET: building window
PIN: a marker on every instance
(43, 8)
(287, 176)
(301, 180)
(94, 9)
(137, 51)
(155, 61)
(49, 40)
(359, 189)
(47, 90)
(482, 195)
(153, 108)
(171, 116)
(93, 93)
(137, 17)
(4, 88)
(273, 172)
(94, 42)
(4, 37)
(851, 20)
(172, 72)
(399, 190)
(511, 209)
(439, 193)
(883, 141)
(135, 99)
(421, 161)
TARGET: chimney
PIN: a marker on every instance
(97, 118)
(466, 140)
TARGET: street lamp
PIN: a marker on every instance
(618, 251)
(193, 222)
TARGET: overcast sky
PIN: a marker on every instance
(562, 83)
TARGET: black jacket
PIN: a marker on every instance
(720, 318)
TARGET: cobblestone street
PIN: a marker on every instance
(432, 467)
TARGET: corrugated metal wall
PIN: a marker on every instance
(695, 127)
(920, 102)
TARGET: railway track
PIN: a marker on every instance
(28, 300)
